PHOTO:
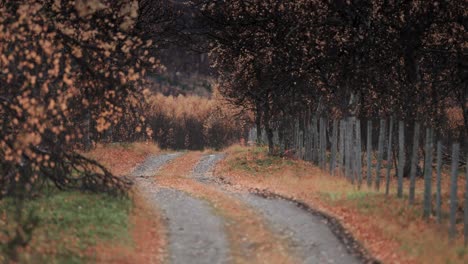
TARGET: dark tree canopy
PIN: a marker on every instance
(362, 58)
(69, 63)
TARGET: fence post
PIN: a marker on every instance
(453, 191)
(358, 152)
(352, 151)
(369, 153)
(305, 136)
(465, 224)
(414, 162)
(309, 140)
(342, 145)
(301, 144)
(296, 138)
(315, 139)
(276, 137)
(321, 142)
(264, 137)
(346, 156)
(334, 147)
(428, 174)
(438, 187)
(401, 157)
(324, 145)
(320, 137)
(380, 151)
(389, 155)
(347, 149)
(281, 137)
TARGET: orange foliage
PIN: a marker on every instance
(193, 122)
(72, 68)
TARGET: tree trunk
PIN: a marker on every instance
(268, 129)
(258, 122)
(271, 145)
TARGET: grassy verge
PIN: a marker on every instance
(70, 224)
(81, 227)
(388, 227)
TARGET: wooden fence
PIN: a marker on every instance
(340, 147)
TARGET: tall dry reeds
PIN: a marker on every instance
(193, 122)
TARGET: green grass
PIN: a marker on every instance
(261, 161)
(69, 224)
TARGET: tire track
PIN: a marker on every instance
(195, 233)
(250, 240)
(309, 237)
(208, 223)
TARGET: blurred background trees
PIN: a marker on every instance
(367, 59)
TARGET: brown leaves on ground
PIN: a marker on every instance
(181, 166)
(120, 158)
(389, 228)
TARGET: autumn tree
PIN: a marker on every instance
(264, 52)
(65, 63)
(360, 58)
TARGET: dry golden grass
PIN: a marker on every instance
(388, 227)
(120, 158)
(194, 122)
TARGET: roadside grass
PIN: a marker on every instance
(84, 227)
(391, 229)
(70, 223)
(256, 162)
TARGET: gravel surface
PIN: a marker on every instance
(203, 171)
(152, 164)
(196, 235)
(311, 238)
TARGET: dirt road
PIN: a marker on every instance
(208, 222)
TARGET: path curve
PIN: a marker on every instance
(310, 238)
(204, 168)
(195, 232)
